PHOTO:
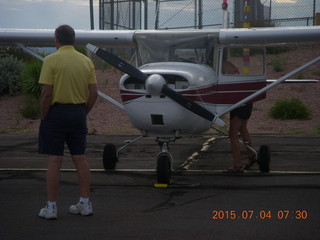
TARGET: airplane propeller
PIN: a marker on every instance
(155, 84)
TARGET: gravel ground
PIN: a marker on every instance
(108, 119)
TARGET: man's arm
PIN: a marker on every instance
(93, 94)
(46, 99)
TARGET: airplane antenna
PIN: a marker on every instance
(225, 14)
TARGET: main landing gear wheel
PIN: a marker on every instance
(264, 158)
(109, 156)
(164, 168)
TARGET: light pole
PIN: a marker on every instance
(91, 14)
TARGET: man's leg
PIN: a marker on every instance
(53, 177)
(235, 125)
(83, 172)
(84, 206)
(247, 138)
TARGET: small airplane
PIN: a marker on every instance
(184, 81)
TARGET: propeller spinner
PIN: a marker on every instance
(155, 84)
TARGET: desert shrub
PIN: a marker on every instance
(31, 109)
(15, 51)
(30, 83)
(82, 50)
(10, 75)
(32, 89)
(290, 109)
(317, 73)
(278, 65)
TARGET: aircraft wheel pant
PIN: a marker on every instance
(264, 158)
(164, 167)
(109, 156)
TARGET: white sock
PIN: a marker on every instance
(84, 200)
(52, 204)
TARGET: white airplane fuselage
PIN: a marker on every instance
(160, 116)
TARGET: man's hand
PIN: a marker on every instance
(46, 100)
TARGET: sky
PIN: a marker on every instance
(47, 14)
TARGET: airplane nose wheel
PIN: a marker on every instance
(164, 160)
(164, 163)
(109, 156)
(264, 158)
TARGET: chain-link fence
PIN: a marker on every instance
(198, 14)
(293, 12)
(120, 14)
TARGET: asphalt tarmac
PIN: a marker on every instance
(202, 203)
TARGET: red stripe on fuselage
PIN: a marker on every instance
(216, 94)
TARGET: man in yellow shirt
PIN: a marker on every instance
(69, 93)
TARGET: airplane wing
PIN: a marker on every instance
(269, 35)
(125, 38)
(45, 37)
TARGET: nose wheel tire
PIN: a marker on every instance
(164, 168)
(109, 156)
(264, 158)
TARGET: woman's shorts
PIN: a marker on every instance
(243, 112)
(64, 123)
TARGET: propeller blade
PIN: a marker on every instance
(136, 73)
(188, 104)
(118, 63)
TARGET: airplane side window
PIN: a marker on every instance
(228, 67)
(243, 61)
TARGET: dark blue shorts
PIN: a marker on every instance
(64, 123)
(243, 112)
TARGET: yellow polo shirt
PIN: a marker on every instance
(69, 72)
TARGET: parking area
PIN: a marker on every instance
(202, 202)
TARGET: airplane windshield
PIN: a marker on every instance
(167, 46)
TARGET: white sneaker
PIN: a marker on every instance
(85, 209)
(49, 212)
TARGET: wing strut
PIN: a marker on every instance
(110, 100)
(32, 53)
